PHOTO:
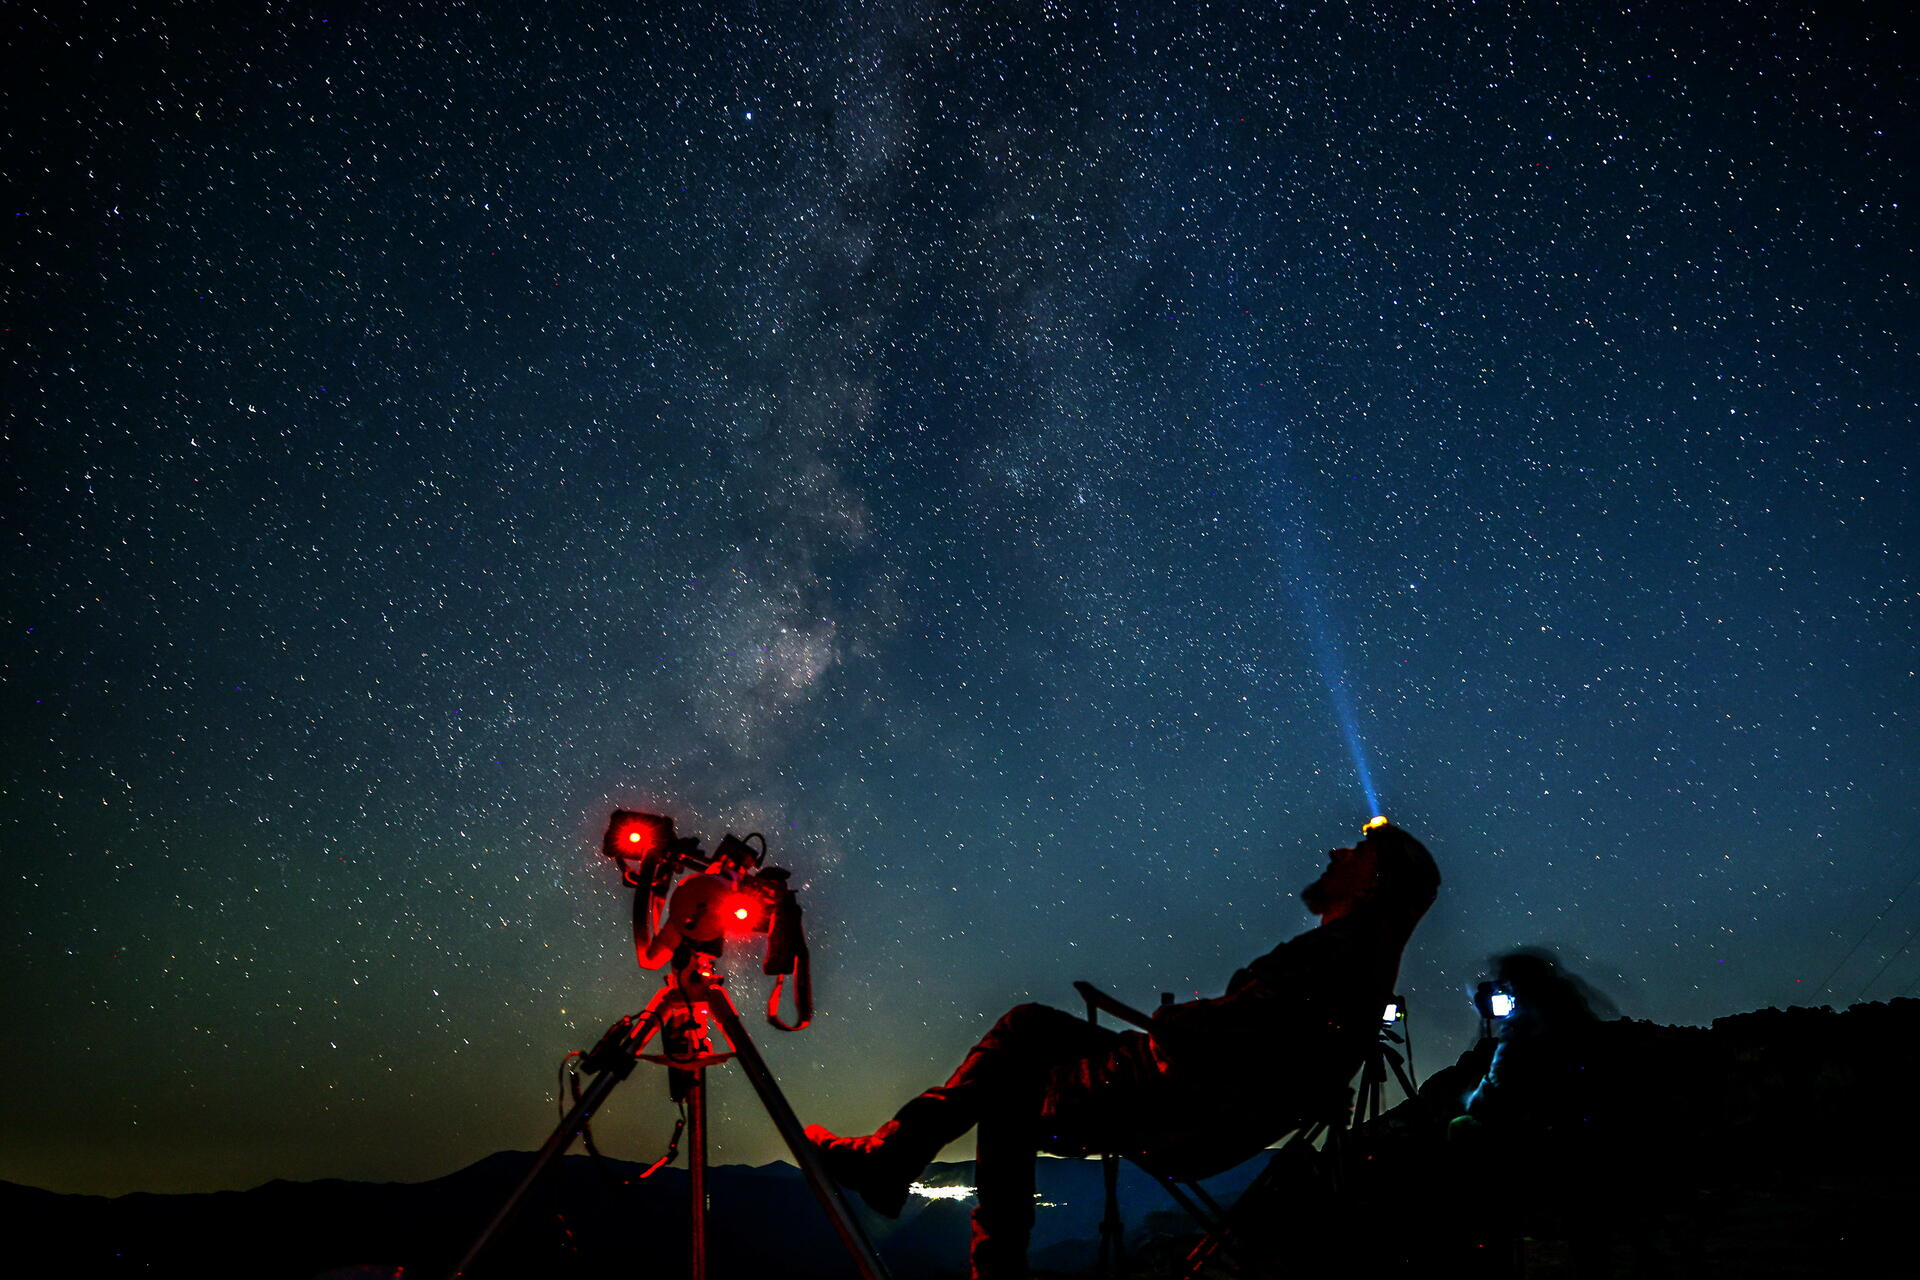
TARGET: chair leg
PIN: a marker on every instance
(1184, 1196)
(1219, 1224)
(1112, 1232)
(1219, 1235)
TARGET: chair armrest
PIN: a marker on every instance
(1099, 1001)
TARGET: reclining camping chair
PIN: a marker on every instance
(1325, 1116)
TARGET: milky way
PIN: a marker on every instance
(992, 450)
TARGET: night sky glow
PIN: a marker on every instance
(1039, 463)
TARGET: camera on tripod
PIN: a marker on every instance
(687, 903)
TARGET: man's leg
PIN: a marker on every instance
(1025, 1047)
(1005, 1074)
(1006, 1145)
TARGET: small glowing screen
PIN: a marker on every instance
(1501, 1004)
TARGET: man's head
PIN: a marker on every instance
(1351, 877)
(1389, 863)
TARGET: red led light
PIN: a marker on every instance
(637, 835)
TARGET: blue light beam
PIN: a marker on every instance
(1287, 510)
(1326, 655)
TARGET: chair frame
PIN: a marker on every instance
(1214, 1221)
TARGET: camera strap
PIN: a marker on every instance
(802, 993)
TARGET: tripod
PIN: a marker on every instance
(679, 1012)
(1382, 1056)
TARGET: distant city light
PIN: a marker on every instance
(926, 1192)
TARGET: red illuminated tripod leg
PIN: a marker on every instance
(611, 1061)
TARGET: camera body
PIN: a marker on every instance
(1493, 1000)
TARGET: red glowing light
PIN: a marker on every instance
(740, 913)
(637, 835)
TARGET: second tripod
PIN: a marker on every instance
(1382, 1057)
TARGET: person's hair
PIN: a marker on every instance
(1547, 991)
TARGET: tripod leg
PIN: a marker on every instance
(611, 1074)
(1400, 1074)
(825, 1189)
(697, 1172)
(1373, 1083)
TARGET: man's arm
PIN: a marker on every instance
(1300, 989)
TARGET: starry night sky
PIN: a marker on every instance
(1028, 460)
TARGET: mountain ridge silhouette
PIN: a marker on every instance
(1797, 1124)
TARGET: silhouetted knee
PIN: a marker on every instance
(1025, 1019)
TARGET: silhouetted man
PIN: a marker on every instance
(1207, 1085)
